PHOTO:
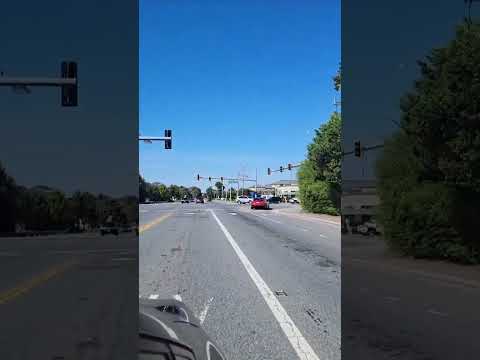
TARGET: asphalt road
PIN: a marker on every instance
(400, 308)
(69, 297)
(226, 262)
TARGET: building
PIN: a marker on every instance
(285, 188)
(263, 190)
(359, 201)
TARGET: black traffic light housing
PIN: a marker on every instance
(198, 177)
(289, 166)
(358, 149)
(281, 168)
(168, 142)
(69, 91)
(221, 178)
(209, 178)
(269, 172)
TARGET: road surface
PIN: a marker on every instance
(227, 263)
(406, 309)
(69, 297)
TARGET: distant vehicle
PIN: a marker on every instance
(294, 200)
(243, 199)
(109, 229)
(368, 228)
(259, 203)
(199, 201)
(185, 201)
(274, 200)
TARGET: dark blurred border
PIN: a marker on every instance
(69, 180)
(410, 249)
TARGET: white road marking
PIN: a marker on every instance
(203, 314)
(189, 213)
(293, 334)
(321, 235)
(153, 297)
(233, 213)
(177, 297)
(143, 211)
(435, 312)
(392, 298)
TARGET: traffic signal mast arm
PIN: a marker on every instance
(288, 167)
(67, 82)
(167, 138)
(358, 149)
(210, 178)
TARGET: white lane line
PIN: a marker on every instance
(293, 334)
(177, 297)
(435, 312)
(233, 213)
(203, 314)
(153, 297)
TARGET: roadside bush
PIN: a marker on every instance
(421, 225)
(317, 197)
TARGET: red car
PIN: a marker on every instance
(259, 203)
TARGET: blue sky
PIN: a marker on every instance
(242, 84)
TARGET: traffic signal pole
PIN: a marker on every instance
(167, 139)
(67, 83)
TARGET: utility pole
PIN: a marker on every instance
(255, 180)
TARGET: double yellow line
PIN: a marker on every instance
(23, 288)
(153, 223)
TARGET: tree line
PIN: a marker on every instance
(42, 208)
(160, 192)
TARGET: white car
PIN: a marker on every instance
(243, 199)
(294, 200)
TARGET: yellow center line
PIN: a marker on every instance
(153, 223)
(21, 289)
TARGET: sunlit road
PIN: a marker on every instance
(227, 263)
(68, 297)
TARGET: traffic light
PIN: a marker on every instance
(358, 149)
(69, 92)
(281, 168)
(269, 172)
(198, 177)
(168, 142)
(221, 178)
(209, 178)
(289, 166)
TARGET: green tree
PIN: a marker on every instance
(319, 176)
(219, 187)
(8, 201)
(210, 193)
(429, 172)
(337, 79)
(195, 192)
(142, 193)
(174, 191)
